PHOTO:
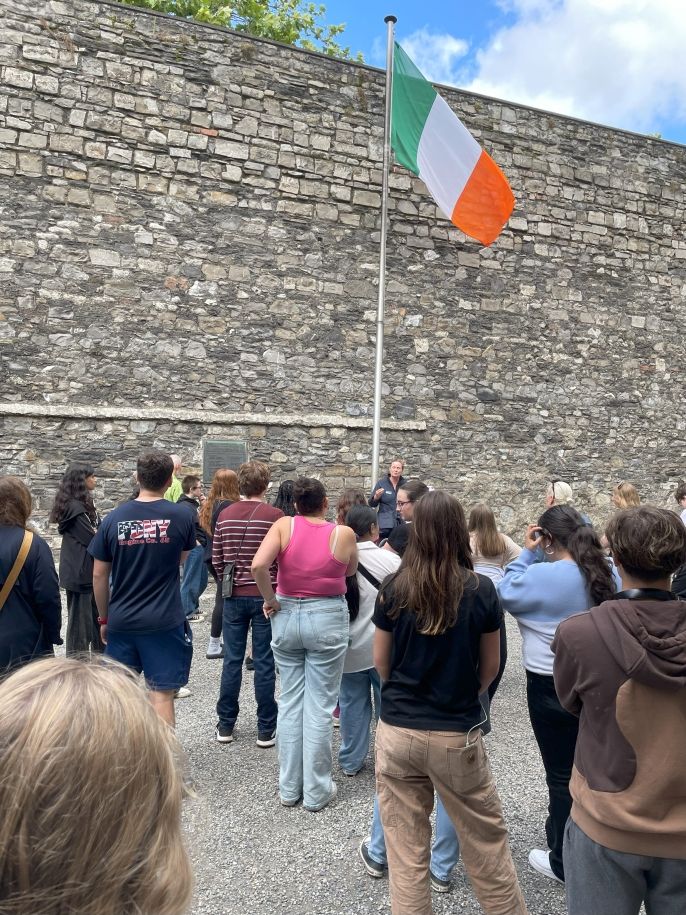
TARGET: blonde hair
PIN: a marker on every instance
(560, 491)
(90, 795)
(487, 538)
(626, 495)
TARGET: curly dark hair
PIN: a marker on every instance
(284, 498)
(73, 488)
(564, 524)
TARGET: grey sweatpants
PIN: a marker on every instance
(599, 881)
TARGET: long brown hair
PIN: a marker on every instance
(487, 538)
(90, 795)
(224, 487)
(15, 502)
(435, 565)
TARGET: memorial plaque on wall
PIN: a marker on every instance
(216, 455)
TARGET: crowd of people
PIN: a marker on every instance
(391, 612)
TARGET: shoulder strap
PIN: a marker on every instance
(245, 531)
(365, 573)
(332, 548)
(16, 567)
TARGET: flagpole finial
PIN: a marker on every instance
(390, 18)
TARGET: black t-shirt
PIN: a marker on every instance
(433, 684)
(144, 542)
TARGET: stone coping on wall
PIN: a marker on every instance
(125, 6)
(206, 417)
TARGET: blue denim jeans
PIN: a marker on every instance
(355, 701)
(445, 850)
(240, 613)
(194, 580)
(309, 641)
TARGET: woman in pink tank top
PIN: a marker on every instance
(309, 617)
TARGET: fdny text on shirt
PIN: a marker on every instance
(132, 533)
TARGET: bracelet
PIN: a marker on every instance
(272, 600)
(101, 621)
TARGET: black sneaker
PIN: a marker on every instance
(373, 868)
(223, 733)
(441, 886)
(266, 738)
(249, 663)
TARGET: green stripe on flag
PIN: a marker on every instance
(412, 99)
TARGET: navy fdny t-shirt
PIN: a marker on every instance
(144, 542)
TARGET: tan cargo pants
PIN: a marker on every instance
(409, 765)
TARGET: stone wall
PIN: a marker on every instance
(190, 222)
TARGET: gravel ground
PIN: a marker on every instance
(251, 855)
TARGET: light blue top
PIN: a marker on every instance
(540, 595)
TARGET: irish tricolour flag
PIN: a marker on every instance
(429, 140)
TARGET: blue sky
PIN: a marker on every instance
(616, 62)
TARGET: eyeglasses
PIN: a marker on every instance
(403, 503)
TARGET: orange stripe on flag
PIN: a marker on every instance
(485, 204)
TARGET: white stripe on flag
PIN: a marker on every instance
(446, 155)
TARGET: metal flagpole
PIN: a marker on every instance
(378, 369)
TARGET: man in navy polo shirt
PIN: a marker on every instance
(142, 621)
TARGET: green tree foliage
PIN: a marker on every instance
(295, 22)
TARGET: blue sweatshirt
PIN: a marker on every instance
(540, 595)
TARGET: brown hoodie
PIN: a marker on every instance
(621, 667)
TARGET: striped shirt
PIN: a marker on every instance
(231, 528)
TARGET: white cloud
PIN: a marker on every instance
(440, 57)
(614, 61)
(619, 62)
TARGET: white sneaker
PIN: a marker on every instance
(182, 693)
(215, 648)
(540, 861)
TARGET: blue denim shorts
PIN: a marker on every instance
(164, 657)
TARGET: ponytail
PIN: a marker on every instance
(587, 553)
(565, 525)
(352, 596)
